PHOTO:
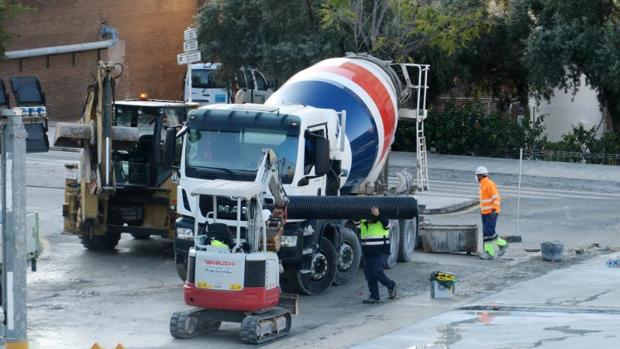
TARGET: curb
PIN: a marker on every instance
(451, 209)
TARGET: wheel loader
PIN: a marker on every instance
(124, 181)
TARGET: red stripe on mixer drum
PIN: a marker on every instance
(375, 89)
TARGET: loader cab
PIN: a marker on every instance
(156, 154)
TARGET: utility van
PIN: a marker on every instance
(205, 83)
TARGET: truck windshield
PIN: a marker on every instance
(207, 78)
(235, 154)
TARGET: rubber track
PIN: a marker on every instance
(177, 324)
(249, 325)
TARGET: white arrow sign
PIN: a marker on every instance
(189, 46)
(190, 34)
(188, 57)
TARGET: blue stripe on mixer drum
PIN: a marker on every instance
(360, 128)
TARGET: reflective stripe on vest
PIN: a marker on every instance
(217, 243)
(374, 234)
(489, 197)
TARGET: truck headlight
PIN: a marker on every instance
(289, 241)
(185, 233)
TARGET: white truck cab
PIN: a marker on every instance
(206, 84)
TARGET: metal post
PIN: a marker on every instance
(14, 232)
(519, 190)
(188, 74)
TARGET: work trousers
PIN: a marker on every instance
(489, 221)
(374, 271)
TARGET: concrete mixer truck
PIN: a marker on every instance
(331, 127)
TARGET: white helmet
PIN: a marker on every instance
(482, 171)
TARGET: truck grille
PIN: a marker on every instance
(254, 274)
(226, 208)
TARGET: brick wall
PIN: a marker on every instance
(150, 33)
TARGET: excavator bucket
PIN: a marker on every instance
(76, 135)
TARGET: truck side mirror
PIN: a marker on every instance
(321, 156)
(170, 145)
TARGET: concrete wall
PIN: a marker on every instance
(565, 111)
(151, 35)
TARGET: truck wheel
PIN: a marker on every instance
(394, 244)
(105, 242)
(408, 236)
(348, 255)
(141, 236)
(322, 271)
(181, 265)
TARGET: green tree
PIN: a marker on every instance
(571, 39)
(279, 37)
(397, 29)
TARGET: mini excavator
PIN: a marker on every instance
(237, 280)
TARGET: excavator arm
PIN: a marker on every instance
(261, 228)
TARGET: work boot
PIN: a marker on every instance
(486, 257)
(503, 246)
(392, 293)
(370, 300)
(489, 251)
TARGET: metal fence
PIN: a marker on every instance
(576, 157)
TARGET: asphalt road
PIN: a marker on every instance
(78, 297)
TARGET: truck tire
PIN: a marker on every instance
(322, 274)
(105, 242)
(408, 237)
(348, 256)
(181, 266)
(394, 244)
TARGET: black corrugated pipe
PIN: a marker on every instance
(351, 207)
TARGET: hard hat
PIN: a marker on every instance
(482, 171)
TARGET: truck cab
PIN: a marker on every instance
(225, 142)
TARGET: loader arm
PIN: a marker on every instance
(95, 134)
(96, 137)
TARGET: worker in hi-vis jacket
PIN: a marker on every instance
(490, 206)
(375, 239)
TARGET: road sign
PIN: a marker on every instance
(190, 34)
(188, 57)
(191, 45)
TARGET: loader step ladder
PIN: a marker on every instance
(414, 95)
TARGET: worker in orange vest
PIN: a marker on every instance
(490, 206)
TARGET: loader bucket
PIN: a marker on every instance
(74, 135)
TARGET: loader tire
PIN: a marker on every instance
(321, 275)
(408, 237)
(394, 244)
(349, 255)
(105, 242)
